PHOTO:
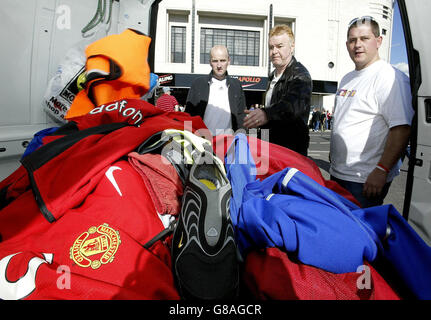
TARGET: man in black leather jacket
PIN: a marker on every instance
(288, 96)
(223, 108)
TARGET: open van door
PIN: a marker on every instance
(35, 37)
(417, 204)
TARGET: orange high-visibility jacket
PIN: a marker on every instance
(116, 68)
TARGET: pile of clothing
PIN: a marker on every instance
(77, 217)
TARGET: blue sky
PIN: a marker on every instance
(398, 48)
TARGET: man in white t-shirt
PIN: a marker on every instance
(372, 118)
(217, 97)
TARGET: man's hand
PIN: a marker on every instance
(375, 183)
(396, 143)
(255, 118)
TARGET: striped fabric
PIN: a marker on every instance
(166, 102)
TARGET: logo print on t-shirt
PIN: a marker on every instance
(346, 93)
(95, 247)
(109, 174)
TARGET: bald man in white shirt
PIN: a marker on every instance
(217, 97)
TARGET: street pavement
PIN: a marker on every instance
(319, 153)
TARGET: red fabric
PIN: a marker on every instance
(17, 183)
(166, 102)
(86, 188)
(71, 170)
(133, 272)
(22, 217)
(122, 111)
(161, 180)
(270, 274)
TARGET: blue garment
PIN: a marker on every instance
(36, 142)
(153, 81)
(299, 216)
(291, 211)
(240, 170)
(403, 249)
(317, 125)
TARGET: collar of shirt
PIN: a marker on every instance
(218, 84)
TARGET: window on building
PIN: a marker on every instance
(243, 46)
(178, 44)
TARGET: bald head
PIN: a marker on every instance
(219, 50)
(219, 61)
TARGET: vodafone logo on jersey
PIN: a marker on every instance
(134, 114)
(131, 111)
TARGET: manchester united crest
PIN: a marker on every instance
(95, 247)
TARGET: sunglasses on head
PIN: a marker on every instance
(362, 19)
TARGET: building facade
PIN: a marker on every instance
(187, 29)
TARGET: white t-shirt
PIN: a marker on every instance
(217, 115)
(270, 89)
(368, 103)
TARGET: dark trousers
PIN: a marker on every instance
(355, 188)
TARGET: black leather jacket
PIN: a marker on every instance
(197, 99)
(290, 108)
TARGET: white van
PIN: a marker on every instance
(417, 204)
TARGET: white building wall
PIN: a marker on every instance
(311, 44)
(320, 28)
(351, 9)
(175, 10)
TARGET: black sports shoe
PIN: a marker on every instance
(204, 252)
(179, 147)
